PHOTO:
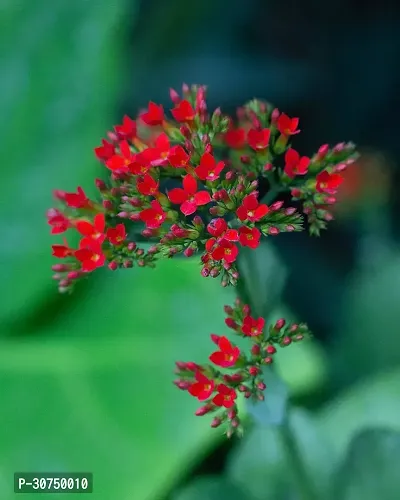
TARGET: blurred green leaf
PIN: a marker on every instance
(97, 394)
(271, 411)
(368, 340)
(212, 488)
(260, 462)
(371, 467)
(60, 73)
(374, 402)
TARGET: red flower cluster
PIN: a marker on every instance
(220, 389)
(187, 181)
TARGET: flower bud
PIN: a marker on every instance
(290, 211)
(270, 349)
(261, 386)
(215, 338)
(113, 266)
(246, 310)
(276, 206)
(268, 360)
(203, 410)
(286, 341)
(274, 116)
(253, 370)
(230, 323)
(205, 272)
(273, 231)
(231, 413)
(188, 252)
(280, 324)
(60, 268)
(174, 96)
(108, 204)
(255, 350)
(131, 246)
(322, 152)
(216, 422)
(100, 185)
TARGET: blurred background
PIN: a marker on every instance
(85, 378)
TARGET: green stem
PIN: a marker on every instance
(303, 482)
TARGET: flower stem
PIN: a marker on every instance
(302, 480)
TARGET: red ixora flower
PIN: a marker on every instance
(62, 251)
(127, 130)
(225, 397)
(328, 183)
(147, 185)
(188, 198)
(154, 115)
(209, 169)
(249, 237)
(93, 231)
(258, 139)
(235, 138)
(122, 162)
(178, 157)
(253, 327)
(225, 250)
(58, 221)
(90, 255)
(294, 165)
(202, 388)
(74, 200)
(116, 235)
(106, 151)
(183, 112)
(251, 210)
(288, 126)
(227, 354)
(153, 217)
(219, 229)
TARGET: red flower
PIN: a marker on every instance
(178, 157)
(123, 161)
(219, 229)
(225, 397)
(127, 130)
(249, 237)
(203, 388)
(77, 200)
(258, 139)
(90, 256)
(59, 222)
(294, 165)
(227, 355)
(116, 235)
(158, 155)
(251, 210)
(328, 183)
(154, 115)
(106, 151)
(235, 138)
(147, 186)
(209, 169)
(153, 217)
(287, 126)
(183, 112)
(226, 251)
(253, 327)
(188, 198)
(93, 231)
(61, 251)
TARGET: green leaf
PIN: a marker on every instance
(97, 394)
(271, 411)
(212, 488)
(261, 460)
(60, 72)
(371, 467)
(374, 402)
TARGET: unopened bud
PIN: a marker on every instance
(245, 159)
(100, 185)
(290, 211)
(246, 310)
(276, 206)
(203, 410)
(174, 96)
(268, 360)
(205, 272)
(322, 151)
(273, 231)
(255, 350)
(108, 204)
(188, 252)
(280, 324)
(270, 349)
(261, 386)
(253, 370)
(230, 323)
(127, 264)
(113, 266)
(286, 341)
(216, 422)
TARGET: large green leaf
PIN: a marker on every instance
(97, 394)
(212, 488)
(60, 72)
(371, 468)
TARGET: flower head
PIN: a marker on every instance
(188, 197)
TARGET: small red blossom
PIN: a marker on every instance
(294, 165)
(202, 388)
(328, 183)
(251, 210)
(258, 139)
(61, 251)
(225, 397)
(122, 162)
(226, 251)
(249, 237)
(106, 151)
(158, 155)
(153, 217)
(147, 185)
(288, 126)
(235, 138)
(188, 198)
(93, 231)
(90, 256)
(183, 112)
(127, 130)
(209, 169)
(178, 157)
(116, 235)
(154, 115)
(58, 221)
(253, 327)
(219, 229)
(227, 354)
